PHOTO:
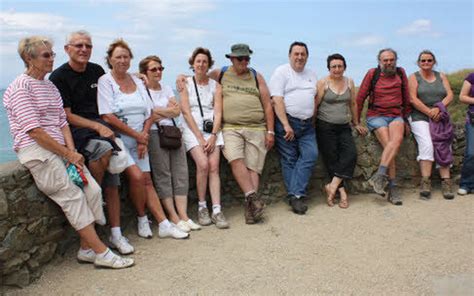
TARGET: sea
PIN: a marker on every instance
(6, 142)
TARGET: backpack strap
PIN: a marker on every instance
(255, 75)
(373, 82)
(225, 68)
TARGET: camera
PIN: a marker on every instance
(207, 125)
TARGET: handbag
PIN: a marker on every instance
(77, 175)
(119, 159)
(170, 136)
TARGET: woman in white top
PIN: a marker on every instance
(170, 167)
(123, 103)
(201, 134)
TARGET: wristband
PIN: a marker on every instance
(271, 132)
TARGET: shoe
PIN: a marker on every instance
(121, 244)
(172, 231)
(192, 225)
(144, 229)
(462, 191)
(86, 256)
(257, 205)
(447, 188)
(203, 217)
(183, 226)
(425, 188)
(379, 182)
(219, 220)
(113, 261)
(298, 206)
(394, 196)
(249, 218)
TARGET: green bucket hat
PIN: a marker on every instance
(239, 50)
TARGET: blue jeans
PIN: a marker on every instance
(297, 157)
(467, 171)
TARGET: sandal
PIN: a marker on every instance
(329, 195)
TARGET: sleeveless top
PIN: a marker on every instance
(429, 93)
(206, 96)
(241, 101)
(335, 108)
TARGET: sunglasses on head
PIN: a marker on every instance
(48, 55)
(240, 59)
(156, 69)
(81, 45)
(426, 61)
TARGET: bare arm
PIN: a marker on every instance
(211, 142)
(362, 130)
(280, 111)
(449, 97)
(464, 94)
(214, 74)
(268, 110)
(80, 121)
(170, 111)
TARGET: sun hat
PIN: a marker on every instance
(239, 50)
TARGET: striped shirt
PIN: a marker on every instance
(32, 103)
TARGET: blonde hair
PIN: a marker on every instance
(28, 47)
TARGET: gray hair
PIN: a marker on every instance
(71, 35)
(27, 47)
(389, 50)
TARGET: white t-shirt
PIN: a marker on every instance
(298, 90)
(160, 100)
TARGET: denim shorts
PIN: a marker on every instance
(376, 122)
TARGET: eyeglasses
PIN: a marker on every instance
(81, 45)
(240, 59)
(48, 55)
(426, 61)
(336, 66)
(156, 69)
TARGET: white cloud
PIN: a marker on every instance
(367, 40)
(419, 27)
(16, 21)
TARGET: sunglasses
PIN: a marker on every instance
(240, 59)
(156, 69)
(426, 61)
(81, 45)
(48, 55)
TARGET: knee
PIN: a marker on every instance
(214, 167)
(147, 180)
(202, 166)
(136, 178)
(311, 155)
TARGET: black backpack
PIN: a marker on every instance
(374, 80)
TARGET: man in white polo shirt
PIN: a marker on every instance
(293, 90)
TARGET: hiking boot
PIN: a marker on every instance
(379, 182)
(447, 188)
(203, 217)
(298, 206)
(257, 205)
(249, 217)
(425, 188)
(394, 196)
(219, 220)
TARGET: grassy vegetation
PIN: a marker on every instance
(457, 109)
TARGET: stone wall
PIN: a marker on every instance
(33, 229)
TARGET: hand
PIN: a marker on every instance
(269, 141)
(180, 82)
(202, 142)
(172, 104)
(289, 133)
(142, 77)
(362, 130)
(210, 144)
(435, 114)
(407, 129)
(142, 138)
(105, 131)
(75, 158)
(141, 150)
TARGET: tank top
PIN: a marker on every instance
(241, 101)
(429, 93)
(335, 108)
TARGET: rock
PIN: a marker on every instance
(18, 239)
(33, 194)
(3, 205)
(5, 253)
(38, 227)
(4, 227)
(14, 263)
(53, 235)
(45, 252)
(32, 264)
(20, 278)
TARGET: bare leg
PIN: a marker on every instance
(390, 138)
(90, 239)
(137, 189)
(444, 172)
(112, 199)
(181, 202)
(425, 168)
(214, 178)
(168, 204)
(202, 171)
(98, 167)
(152, 201)
(242, 175)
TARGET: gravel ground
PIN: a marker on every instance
(372, 248)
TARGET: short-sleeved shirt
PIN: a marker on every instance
(79, 89)
(298, 90)
(160, 100)
(33, 103)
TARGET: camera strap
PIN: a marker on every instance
(153, 104)
(199, 100)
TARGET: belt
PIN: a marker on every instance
(307, 120)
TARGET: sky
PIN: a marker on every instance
(172, 29)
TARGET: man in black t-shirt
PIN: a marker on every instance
(77, 83)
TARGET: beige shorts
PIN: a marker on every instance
(81, 208)
(246, 144)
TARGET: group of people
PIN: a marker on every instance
(85, 118)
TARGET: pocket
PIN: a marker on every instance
(50, 175)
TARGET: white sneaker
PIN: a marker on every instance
(172, 231)
(183, 226)
(144, 229)
(112, 260)
(192, 225)
(462, 191)
(86, 256)
(121, 244)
